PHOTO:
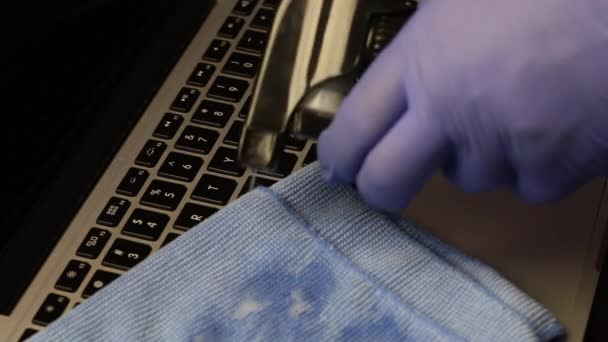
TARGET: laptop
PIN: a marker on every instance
(124, 136)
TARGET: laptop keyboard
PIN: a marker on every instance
(187, 169)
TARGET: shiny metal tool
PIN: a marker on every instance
(316, 51)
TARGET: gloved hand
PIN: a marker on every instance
(494, 92)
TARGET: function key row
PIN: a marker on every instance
(113, 212)
(185, 100)
(244, 7)
(217, 50)
(253, 41)
(223, 88)
(209, 113)
(150, 154)
(274, 4)
(201, 75)
(263, 18)
(238, 64)
(72, 276)
(52, 308)
(133, 181)
(168, 126)
(231, 27)
(93, 243)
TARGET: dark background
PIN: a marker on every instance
(57, 59)
(75, 76)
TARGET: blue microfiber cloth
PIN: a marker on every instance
(307, 261)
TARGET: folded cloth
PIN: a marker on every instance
(307, 261)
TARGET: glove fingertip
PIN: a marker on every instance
(378, 194)
(399, 166)
(328, 160)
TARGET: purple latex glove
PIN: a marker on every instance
(494, 92)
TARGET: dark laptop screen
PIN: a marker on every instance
(42, 92)
(55, 56)
(74, 77)
(55, 62)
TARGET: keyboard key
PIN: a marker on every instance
(274, 4)
(151, 153)
(245, 109)
(145, 224)
(311, 156)
(163, 195)
(217, 50)
(259, 181)
(93, 243)
(193, 214)
(124, 254)
(113, 212)
(168, 126)
(197, 140)
(53, 306)
(228, 89)
(99, 280)
(244, 7)
(263, 19)
(253, 41)
(170, 237)
(179, 166)
(214, 189)
(240, 64)
(27, 334)
(225, 161)
(213, 113)
(294, 144)
(72, 276)
(234, 133)
(201, 75)
(231, 27)
(286, 163)
(185, 99)
(132, 182)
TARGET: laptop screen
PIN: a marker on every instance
(48, 79)
(63, 67)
